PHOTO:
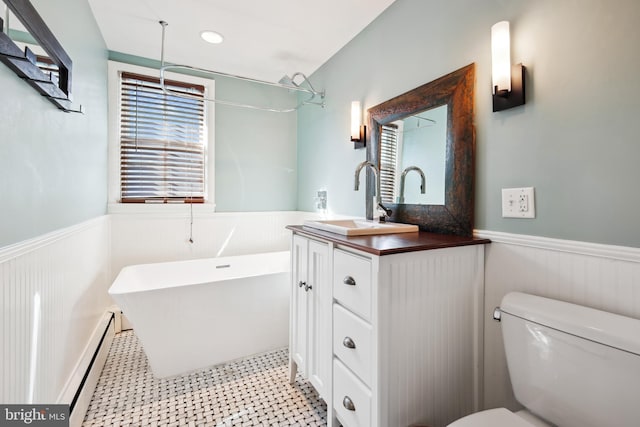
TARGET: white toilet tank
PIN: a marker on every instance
(571, 365)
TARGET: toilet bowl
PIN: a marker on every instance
(500, 417)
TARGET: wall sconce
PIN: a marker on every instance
(508, 80)
(358, 130)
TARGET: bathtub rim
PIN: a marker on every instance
(121, 285)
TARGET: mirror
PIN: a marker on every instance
(48, 69)
(413, 158)
(451, 96)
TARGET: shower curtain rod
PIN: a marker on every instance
(292, 86)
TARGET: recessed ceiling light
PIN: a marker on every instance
(211, 37)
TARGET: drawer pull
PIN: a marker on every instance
(348, 403)
(349, 281)
(307, 288)
(301, 284)
(348, 342)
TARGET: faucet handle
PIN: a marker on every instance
(384, 211)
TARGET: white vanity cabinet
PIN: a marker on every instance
(405, 328)
(310, 312)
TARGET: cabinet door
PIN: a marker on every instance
(319, 317)
(299, 304)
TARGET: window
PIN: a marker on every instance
(388, 162)
(162, 141)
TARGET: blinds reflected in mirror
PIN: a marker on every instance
(162, 142)
(388, 162)
(49, 68)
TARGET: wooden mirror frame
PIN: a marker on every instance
(23, 64)
(456, 91)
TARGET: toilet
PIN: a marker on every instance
(570, 366)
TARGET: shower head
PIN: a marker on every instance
(304, 85)
(287, 81)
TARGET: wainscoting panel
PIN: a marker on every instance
(599, 276)
(53, 289)
(145, 238)
(430, 335)
(53, 293)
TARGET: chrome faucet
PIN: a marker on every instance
(373, 168)
(423, 184)
(379, 206)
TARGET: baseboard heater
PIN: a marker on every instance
(80, 387)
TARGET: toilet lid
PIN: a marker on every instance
(491, 418)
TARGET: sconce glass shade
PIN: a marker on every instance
(500, 57)
(356, 120)
(507, 79)
(358, 130)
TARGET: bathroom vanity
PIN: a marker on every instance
(388, 328)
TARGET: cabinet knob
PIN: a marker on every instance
(348, 342)
(349, 281)
(307, 288)
(301, 284)
(348, 403)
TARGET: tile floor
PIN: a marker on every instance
(249, 392)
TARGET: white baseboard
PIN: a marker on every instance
(82, 382)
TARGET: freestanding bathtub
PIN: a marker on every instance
(193, 314)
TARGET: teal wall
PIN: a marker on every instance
(255, 151)
(575, 141)
(53, 165)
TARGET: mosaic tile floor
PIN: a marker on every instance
(248, 392)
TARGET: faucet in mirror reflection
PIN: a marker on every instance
(403, 176)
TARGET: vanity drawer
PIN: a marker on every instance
(351, 398)
(352, 282)
(352, 342)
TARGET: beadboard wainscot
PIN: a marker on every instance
(54, 302)
(604, 277)
(152, 234)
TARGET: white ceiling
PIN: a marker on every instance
(264, 39)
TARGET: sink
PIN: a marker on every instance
(360, 227)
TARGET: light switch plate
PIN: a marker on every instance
(518, 203)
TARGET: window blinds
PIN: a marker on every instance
(388, 161)
(162, 145)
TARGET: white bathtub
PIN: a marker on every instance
(193, 314)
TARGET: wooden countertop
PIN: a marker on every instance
(386, 244)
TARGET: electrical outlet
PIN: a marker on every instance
(518, 203)
(321, 199)
(523, 203)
